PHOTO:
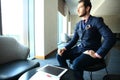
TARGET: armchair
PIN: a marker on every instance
(13, 59)
(65, 38)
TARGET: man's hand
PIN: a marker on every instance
(60, 51)
(92, 54)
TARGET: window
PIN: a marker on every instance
(18, 21)
(62, 25)
(13, 19)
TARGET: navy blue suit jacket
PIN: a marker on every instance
(90, 37)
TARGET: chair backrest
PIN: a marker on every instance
(11, 50)
(107, 58)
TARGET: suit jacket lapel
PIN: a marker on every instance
(88, 23)
(82, 31)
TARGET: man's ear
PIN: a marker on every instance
(88, 8)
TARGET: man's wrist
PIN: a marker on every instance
(64, 48)
(96, 54)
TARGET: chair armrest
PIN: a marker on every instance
(31, 58)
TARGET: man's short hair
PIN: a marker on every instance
(86, 3)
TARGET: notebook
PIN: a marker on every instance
(49, 72)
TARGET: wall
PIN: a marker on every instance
(50, 25)
(113, 21)
(61, 5)
(74, 20)
(39, 29)
(45, 27)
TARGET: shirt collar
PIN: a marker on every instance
(88, 20)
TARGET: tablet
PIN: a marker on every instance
(54, 70)
(49, 72)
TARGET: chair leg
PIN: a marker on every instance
(90, 75)
(106, 70)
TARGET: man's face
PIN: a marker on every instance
(81, 9)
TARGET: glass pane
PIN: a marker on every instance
(13, 19)
(60, 26)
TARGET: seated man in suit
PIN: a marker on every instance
(91, 50)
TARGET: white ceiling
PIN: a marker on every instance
(99, 7)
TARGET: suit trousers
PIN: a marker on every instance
(79, 61)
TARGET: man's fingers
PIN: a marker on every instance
(60, 52)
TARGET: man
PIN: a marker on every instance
(90, 50)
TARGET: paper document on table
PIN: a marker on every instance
(40, 75)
